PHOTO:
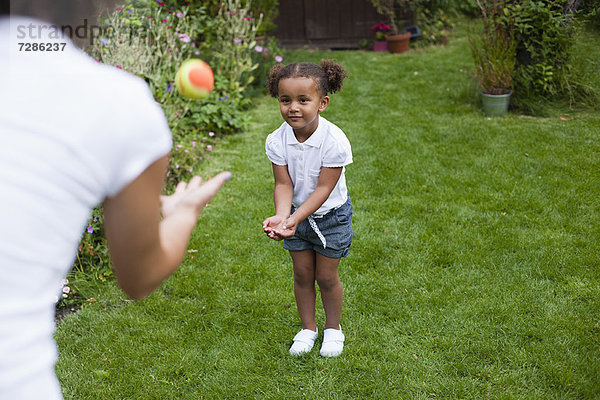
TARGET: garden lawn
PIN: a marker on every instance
(474, 271)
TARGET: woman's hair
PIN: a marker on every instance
(329, 75)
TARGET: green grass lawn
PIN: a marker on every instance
(474, 271)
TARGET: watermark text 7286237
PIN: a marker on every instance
(28, 46)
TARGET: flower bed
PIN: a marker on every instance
(151, 39)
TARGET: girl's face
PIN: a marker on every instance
(300, 104)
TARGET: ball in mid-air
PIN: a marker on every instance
(194, 79)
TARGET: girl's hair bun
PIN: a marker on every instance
(335, 74)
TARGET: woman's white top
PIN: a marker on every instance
(72, 132)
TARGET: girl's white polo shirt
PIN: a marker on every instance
(328, 146)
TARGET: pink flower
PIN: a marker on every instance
(179, 15)
(66, 289)
(211, 134)
(90, 229)
(184, 38)
(209, 147)
(258, 48)
(278, 59)
(380, 27)
(193, 144)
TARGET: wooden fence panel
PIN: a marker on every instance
(325, 23)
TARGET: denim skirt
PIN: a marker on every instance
(329, 234)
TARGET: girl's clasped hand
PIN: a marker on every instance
(279, 228)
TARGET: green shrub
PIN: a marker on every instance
(151, 39)
(267, 8)
(435, 26)
(92, 262)
(452, 7)
(544, 35)
(234, 41)
(591, 11)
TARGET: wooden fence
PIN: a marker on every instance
(326, 24)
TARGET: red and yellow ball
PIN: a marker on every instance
(195, 79)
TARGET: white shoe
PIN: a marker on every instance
(303, 342)
(333, 342)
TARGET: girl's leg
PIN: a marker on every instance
(304, 286)
(331, 289)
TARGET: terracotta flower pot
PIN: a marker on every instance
(398, 43)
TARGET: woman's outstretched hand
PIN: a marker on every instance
(192, 195)
(146, 249)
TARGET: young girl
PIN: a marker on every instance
(312, 208)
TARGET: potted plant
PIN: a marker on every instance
(397, 41)
(494, 54)
(380, 30)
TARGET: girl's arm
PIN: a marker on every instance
(284, 191)
(144, 249)
(282, 195)
(327, 181)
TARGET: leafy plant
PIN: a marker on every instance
(186, 155)
(452, 7)
(151, 39)
(266, 53)
(92, 256)
(543, 31)
(494, 48)
(396, 12)
(235, 40)
(435, 26)
(268, 8)
(591, 11)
